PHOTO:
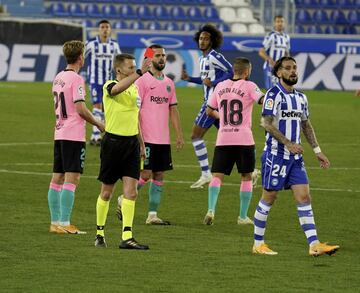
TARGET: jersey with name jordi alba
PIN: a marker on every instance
(234, 100)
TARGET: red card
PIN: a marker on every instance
(149, 53)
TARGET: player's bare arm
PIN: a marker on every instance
(175, 121)
(88, 116)
(185, 76)
(212, 113)
(141, 142)
(207, 82)
(266, 57)
(309, 134)
(267, 123)
(125, 83)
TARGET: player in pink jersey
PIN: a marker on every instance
(69, 146)
(158, 104)
(232, 102)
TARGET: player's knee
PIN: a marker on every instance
(158, 176)
(194, 136)
(269, 196)
(73, 178)
(246, 176)
(58, 178)
(131, 194)
(145, 176)
(304, 198)
(105, 195)
(130, 191)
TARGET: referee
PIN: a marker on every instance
(121, 147)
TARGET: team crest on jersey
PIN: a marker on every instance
(80, 91)
(168, 88)
(269, 104)
(274, 182)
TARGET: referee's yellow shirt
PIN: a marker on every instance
(121, 111)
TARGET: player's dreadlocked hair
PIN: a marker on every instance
(279, 63)
(215, 35)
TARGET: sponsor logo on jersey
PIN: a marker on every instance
(104, 55)
(291, 114)
(159, 100)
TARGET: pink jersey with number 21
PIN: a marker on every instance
(234, 100)
(68, 89)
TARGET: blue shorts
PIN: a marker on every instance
(204, 120)
(96, 93)
(278, 173)
(270, 79)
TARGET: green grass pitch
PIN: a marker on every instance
(186, 256)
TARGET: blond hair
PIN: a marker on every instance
(120, 58)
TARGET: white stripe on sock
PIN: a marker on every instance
(201, 152)
(305, 208)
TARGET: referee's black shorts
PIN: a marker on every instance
(120, 156)
(226, 156)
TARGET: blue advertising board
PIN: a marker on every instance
(327, 45)
(323, 62)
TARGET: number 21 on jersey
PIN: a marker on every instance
(59, 100)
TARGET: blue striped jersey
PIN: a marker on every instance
(215, 67)
(100, 59)
(276, 45)
(288, 109)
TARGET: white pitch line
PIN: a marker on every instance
(175, 166)
(24, 143)
(167, 181)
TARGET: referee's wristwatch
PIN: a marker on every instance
(139, 72)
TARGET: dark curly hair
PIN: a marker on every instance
(279, 63)
(216, 36)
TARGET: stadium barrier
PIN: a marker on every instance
(31, 51)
